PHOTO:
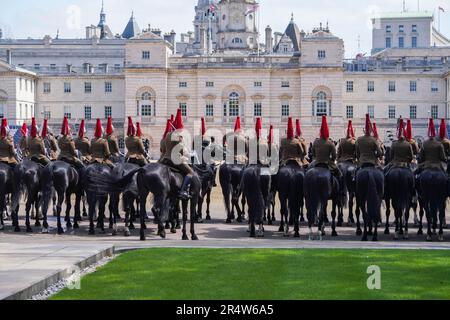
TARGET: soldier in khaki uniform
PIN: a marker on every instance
(241, 147)
(259, 146)
(401, 151)
(347, 146)
(324, 150)
(83, 144)
(67, 147)
(36, 146)
(112, 139)
(23, 145)
(299, 136)
(7, 151)
(135, 147)
(291, 148)
(368, 149)
(49, 141)
(169, 129)
(443, 138)
(432, 155)
(99, 147)
(410, 139)
(175, 139)
(380, 143)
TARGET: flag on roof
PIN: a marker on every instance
(212, 7)
(252, 9)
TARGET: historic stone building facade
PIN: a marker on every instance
(219, 72)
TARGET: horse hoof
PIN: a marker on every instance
(91, 232)
(239, 220)
(162, 234)
(142, 238)
(358, 232)
(127, 233)
(281, 229)
(441, 237)
(429, 238)
(178, 226)
(420, 233)
(111, 226)
(208, 218)
(173, 230)
(185, 237)
(228, 221)
(167, 227)
(286, 235)
(194, 237)
(297, 235)
(387, 231)
(76, 226)
(334, 234)
(132, 227)
(199, 220)
(69, 226)
(17, 229)
(364, 239)
(44, 231)
(60, 231)
(29, 230)
(37, 224)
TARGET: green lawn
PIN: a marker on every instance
(204, 274)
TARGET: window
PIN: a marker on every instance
(2, 111)
(413, 112)
(209, 110)
(321, 54)
(108, 87)
(388, 42)
(21, 65)
(108, 112)
(434, 112)
(391, 112)
(209, 84)
(257, 109)
(146, 55)
(37, 66)
(47, 115)
(68, 112)
(434, 86)
(349, 112)
(285, 110)
(183, 108)
(47, 87)
(257, 84)
(233, 104)
(67, 87)
(414, 42)
(401, 28)
(87, 87)
(321, 104)
(236, 40)
(88, 112)
(182, 84)
(413, 86)
(349, 86)
(391, 86)
(285, 84)
(401, 42)
(146, 110)
(414, 28)
(370, 86)
(371, 111)
(388, 29)
(117, 67)
(53, 66)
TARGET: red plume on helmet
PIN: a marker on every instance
(82, 129)
(290, 129)
(34, 129)
(270, 136)
(409, 134)
(237, 125)
(24, 129)
(368, 128)
(258, 128)
(443, 129)
(109, 127)
(169, 128)
(131, 130)
(138, 130)
(178, 124)
(203, 127)
(324, 130)
(298, 129)
(401, 129)
(375, 131)
(4, 128)
(350, 131)
(44, 129)
(431, 129)
(98, 129)
(65, 130)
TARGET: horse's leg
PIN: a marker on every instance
(2, 224)
(406, 220)
(351, 201)
(388, 213)
(101, 212)
(201, 198)
(60, 201)
(421, 214)
(429, 222)
(28, 207)
(55, 203)
(242, 211)
(142, 202)
(358, 222)
(441, 221)
(68, 208)
(193, 209)
(366, 222)
(333, 217)
(208, 204)
(184, 205)
(375, 231)
(77, 217)
(284, 226)
(84, 206)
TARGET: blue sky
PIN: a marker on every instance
(348, 19)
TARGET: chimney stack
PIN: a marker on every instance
(269, 40)
(8, 56)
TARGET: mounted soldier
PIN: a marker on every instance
(432, 154)
(347, 146)
(23, 145)
(178, 158)
(112, 139)
(135, 147)
(36, 146)
(410, 139)
(291, 148)
(49, 141)
(83, 144)
(368, 148)
(8, 153)
(402, 153)
(240, 142)
(299, 136)
(67, 146)
(261, 146)
(162, 145)
(380, 143)
(443, 138)
(99, 147)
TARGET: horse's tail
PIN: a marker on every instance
(47, 187)
(315, 185)
(400, 191)
(224, 180)
(373, 197)
(100, 182)
(251, 186)
(295, 194)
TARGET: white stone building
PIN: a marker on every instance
(219, 71)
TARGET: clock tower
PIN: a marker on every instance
(238, 25)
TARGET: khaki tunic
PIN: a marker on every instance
(84, 146)
(402, 153)
(446, 144)
(135, 149)
(67, 148)
(37, 149)
(162, 148)
(23, 145)
(305, 150)
(346, 150)
(100, 151)
(113, 145)
(415, 146)
(7, 151)
(292, 150)
(170, 144)
(368, 150)
(53, 147)
(432, 155)
(324, 151)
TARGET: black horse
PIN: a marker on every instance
(230, 176)
(290, 193)
(369, 195)
(347, 192)
(399, 189)
(433, 189)
(319, 187)
(9, 186)
(207, 178)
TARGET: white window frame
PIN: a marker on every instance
(413, 112)
(47, 87)
(108, 87)
(349, 112)
(392, 112)
(88, 112)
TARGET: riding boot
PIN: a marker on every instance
(184, 194)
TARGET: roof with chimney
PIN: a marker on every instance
(293, 33)
(132, 29)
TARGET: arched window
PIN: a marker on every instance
(321, 104)
(233, 104)
(146, 104)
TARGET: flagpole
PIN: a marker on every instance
(259, 30)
